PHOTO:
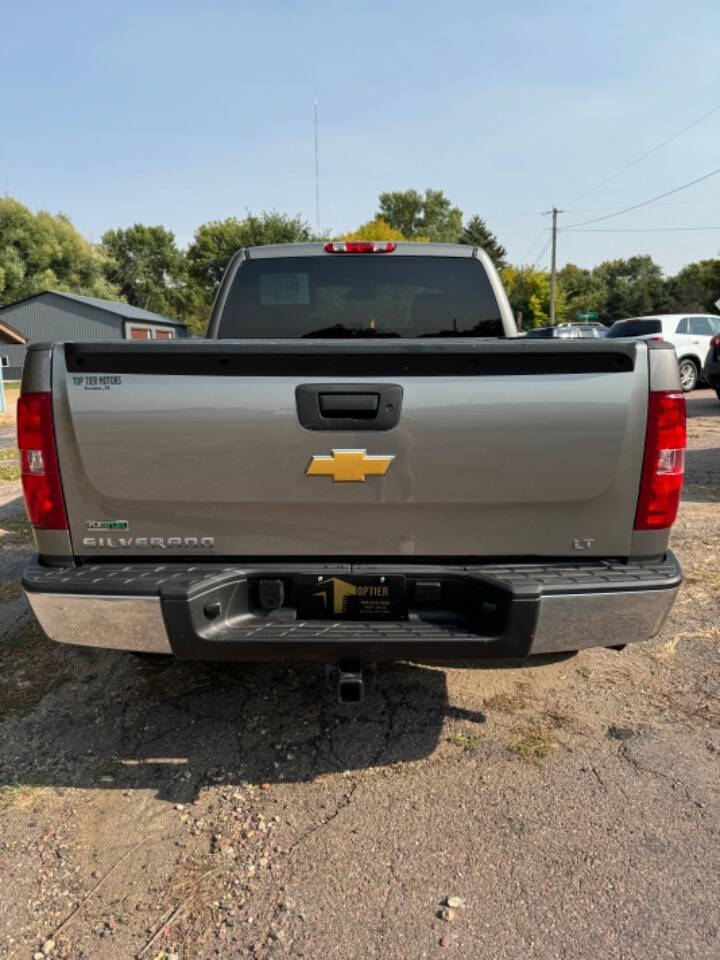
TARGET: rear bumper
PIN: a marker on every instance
(208, 612)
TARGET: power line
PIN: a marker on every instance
(645, 203)
(542, 252)
(645, 155)
(636, 229)
(533, 245)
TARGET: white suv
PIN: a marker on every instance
(689, 333)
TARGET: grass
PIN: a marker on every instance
(531, 744)
(10, 473)
(12, 453)
(21, 795)
(10, 591)
(15, 530)
(468, 742)
(29, 669)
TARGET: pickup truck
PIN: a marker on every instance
(361, 462)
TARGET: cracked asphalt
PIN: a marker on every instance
(158, 809)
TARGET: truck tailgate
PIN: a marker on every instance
(501, 448)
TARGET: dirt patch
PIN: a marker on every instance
(30, 667)
(7, 419)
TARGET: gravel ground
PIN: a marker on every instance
(571, 807)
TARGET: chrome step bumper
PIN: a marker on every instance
(538, 609)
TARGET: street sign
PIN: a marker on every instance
(717, 304)
(587, 315)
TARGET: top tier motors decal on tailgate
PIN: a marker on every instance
(97, 381)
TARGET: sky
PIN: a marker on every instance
(178, 113)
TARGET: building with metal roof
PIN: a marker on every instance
(58, 317)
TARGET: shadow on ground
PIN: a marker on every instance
(131, 723)
(704, 403)
(702, 475)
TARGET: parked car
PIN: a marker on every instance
(711, 369)
(568, 331)
(362, 462)
(689, 333)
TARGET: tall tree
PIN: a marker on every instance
(42, 251)
(414, 215)
(695, 288)
(147, 267)
(477, 233)
(635, 287)
(215, 243)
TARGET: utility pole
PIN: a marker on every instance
(553, 264)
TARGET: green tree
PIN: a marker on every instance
(215, 243)
(583, 290)
(476, 233)
(635, 287)
(42, 251)
(414, 215)
(147, 267)
(528, 291)
(695, 288)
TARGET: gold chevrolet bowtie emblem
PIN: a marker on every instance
(348, 466)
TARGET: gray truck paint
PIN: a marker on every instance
(487, 466)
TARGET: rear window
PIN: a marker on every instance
(634, 328)
(358, 296)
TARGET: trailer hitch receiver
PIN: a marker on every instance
(350, 679)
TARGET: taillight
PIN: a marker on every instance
(38, 462)
(664, 462)
(715, 341)
(361, 246)
(657, 339)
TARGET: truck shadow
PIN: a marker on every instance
(702, 475)
(174, 728)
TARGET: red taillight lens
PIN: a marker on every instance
(715, 341)
(664, 462)
(657, 339)
(38, 462)
(361, 246)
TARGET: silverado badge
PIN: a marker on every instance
(348, 466)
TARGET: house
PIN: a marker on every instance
(10, 340)
(58, 317)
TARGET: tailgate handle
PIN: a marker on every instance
(349, 405)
